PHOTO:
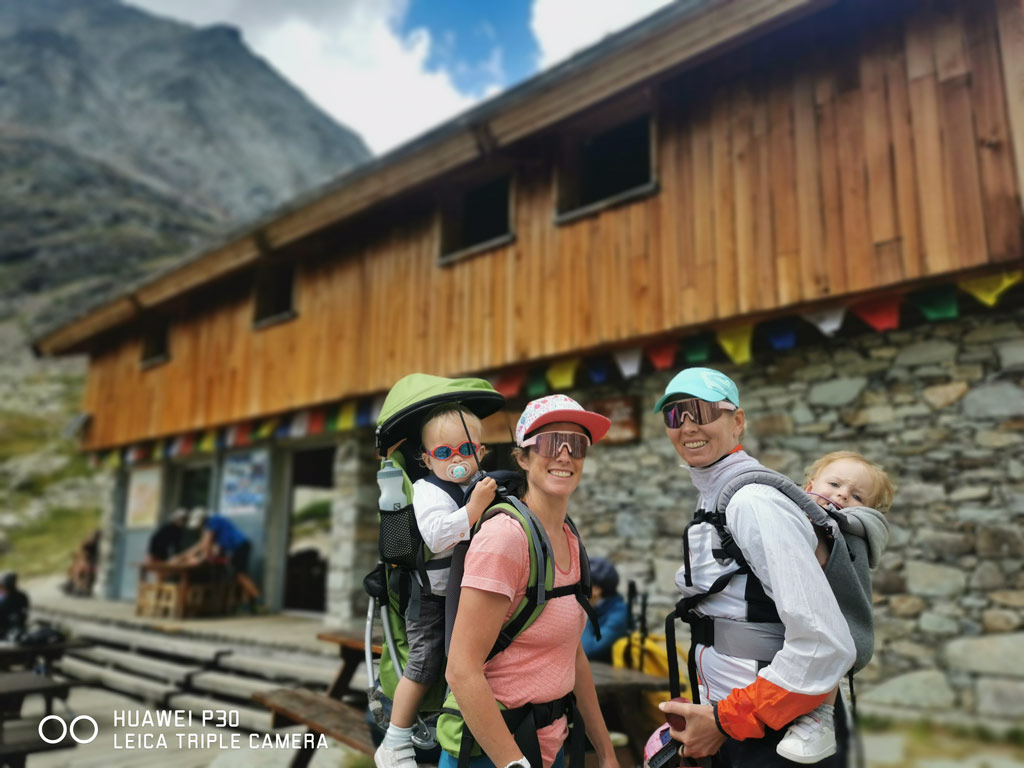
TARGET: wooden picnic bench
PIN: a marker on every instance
(17, 744)
(327, 713)
(183, 590)
(31, 656)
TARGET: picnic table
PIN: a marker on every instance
(619, 692)
(182, 590)
(39, 656)
(15, 687)
(327, 713)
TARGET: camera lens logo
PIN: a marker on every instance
(46, 733)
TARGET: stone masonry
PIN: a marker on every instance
(940, 406)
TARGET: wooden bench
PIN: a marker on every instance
(352, 650)
(320, 714)
(17, 744)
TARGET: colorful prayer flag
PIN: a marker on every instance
(562, 374)
(988, 289)
(629, 361)
(663, 355)
(937, 304)
(736, 342)
(536, 383)
(828, 321)
(510, 383)
(697, 349)
(881, 314)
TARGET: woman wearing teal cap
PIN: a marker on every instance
(768, 639)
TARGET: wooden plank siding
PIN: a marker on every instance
(840, 171)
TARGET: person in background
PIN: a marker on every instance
(166, 541)
(82, 572)
(611, 610)
(13, 606)
(220, 536)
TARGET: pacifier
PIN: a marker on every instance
(457, 471)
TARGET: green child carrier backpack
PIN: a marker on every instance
(400, 580)
(523, 722)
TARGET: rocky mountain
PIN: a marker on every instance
(126, 142)
(124, 136)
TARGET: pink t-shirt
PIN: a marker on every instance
(540, 664)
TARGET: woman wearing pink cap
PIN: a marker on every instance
(545, 662)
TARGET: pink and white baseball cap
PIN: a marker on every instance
(552, 408)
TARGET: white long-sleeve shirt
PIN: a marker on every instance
(442, 524)
(778, 542)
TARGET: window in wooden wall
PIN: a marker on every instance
(156, 347)
(603, 166)
(274, 296)
(476, 217)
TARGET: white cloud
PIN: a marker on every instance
(346, 57)
(562, 27)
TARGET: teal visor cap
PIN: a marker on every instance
(705, 383)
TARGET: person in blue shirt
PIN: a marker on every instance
(221, 536)
(610, 609)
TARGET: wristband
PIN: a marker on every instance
(718, 723)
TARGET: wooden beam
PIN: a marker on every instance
(65, 339)
(1011, 44)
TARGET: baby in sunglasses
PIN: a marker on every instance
(841, 480)
(451, 452)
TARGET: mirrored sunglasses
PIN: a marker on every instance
(549, 444)
(445, 452)
(700, 411)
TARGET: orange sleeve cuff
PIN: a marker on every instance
(745, 712)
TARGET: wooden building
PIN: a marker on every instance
(722, 162)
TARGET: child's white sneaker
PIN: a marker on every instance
(811, 737)
(402, 756)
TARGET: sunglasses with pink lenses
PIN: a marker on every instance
(550, 444)
(700, 411)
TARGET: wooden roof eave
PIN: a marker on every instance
(681, 35)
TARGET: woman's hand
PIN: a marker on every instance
(701, 736)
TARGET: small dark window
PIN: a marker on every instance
(155, 345)
(476, 216)
(606, 165)
(275, 293)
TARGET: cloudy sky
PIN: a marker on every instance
(392, 69)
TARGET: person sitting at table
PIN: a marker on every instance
(611, 611)
(221, 537)
(82, 572)
(13, 607)
(166, 541)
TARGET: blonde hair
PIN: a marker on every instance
(884, 491)
(453, 413)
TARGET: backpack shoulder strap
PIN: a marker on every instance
(454, 490)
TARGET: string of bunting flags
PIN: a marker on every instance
(735, 341)
(341, 417)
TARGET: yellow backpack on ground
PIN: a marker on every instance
(647, 653)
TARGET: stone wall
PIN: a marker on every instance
(941, 407)
(353, 529)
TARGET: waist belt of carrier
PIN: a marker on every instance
(755, 640)
(524, 722)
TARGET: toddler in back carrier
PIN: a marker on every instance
(451, 451)
(840, 479)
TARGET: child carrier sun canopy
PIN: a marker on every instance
(414, 396)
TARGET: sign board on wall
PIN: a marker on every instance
(144, 489)
(622, 411)
(245, 486)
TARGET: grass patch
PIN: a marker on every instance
(44, 546)
(22, 433)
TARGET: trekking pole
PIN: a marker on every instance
(643, 629)
(631, 607)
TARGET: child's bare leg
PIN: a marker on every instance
(831, 698)
(408, 695)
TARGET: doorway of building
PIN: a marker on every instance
(309, 529)
(195, 484)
